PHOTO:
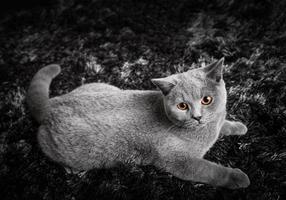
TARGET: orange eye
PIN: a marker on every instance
(182, 106)
(206, 100)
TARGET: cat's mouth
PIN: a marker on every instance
(192, 124)
(198, 123)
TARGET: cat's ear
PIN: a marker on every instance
(214, 70)
(165, 84)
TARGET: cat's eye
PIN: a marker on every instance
(182, 106)
(206, 100)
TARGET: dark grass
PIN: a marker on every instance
(125, 43)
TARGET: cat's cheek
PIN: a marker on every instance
(181, 118)
(170, 114)
(177, 114)
(181, 115)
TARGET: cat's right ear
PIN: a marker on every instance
(164, 84)
(214, 70)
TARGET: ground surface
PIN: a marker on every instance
(126, 43)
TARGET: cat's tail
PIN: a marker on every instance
(38, 92)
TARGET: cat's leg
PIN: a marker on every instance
(181, 165)
(233, 128)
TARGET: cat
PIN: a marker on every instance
(98, 125)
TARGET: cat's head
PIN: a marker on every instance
(195, 97)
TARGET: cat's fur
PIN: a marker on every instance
(98, 125)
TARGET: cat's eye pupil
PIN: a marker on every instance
(206, 100)
(182, 106)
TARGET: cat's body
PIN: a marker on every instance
(109, 133)
(98, 125)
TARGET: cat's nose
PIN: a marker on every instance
(198, 118)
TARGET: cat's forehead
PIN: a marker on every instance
(193, 78)
(194, 84)
(196, 74)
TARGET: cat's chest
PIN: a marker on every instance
(196, 142)
(205, 135)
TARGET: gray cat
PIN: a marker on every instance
(98, 125)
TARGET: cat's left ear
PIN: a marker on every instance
(165, 84)
(214, 70)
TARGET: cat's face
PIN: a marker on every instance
(195, 97)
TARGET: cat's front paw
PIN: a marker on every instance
(239, 129)
(236, 179)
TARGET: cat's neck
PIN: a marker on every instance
(201, 131)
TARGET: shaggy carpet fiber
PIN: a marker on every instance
(126, 43)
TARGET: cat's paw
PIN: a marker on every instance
(236, 179)
(239, 129)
